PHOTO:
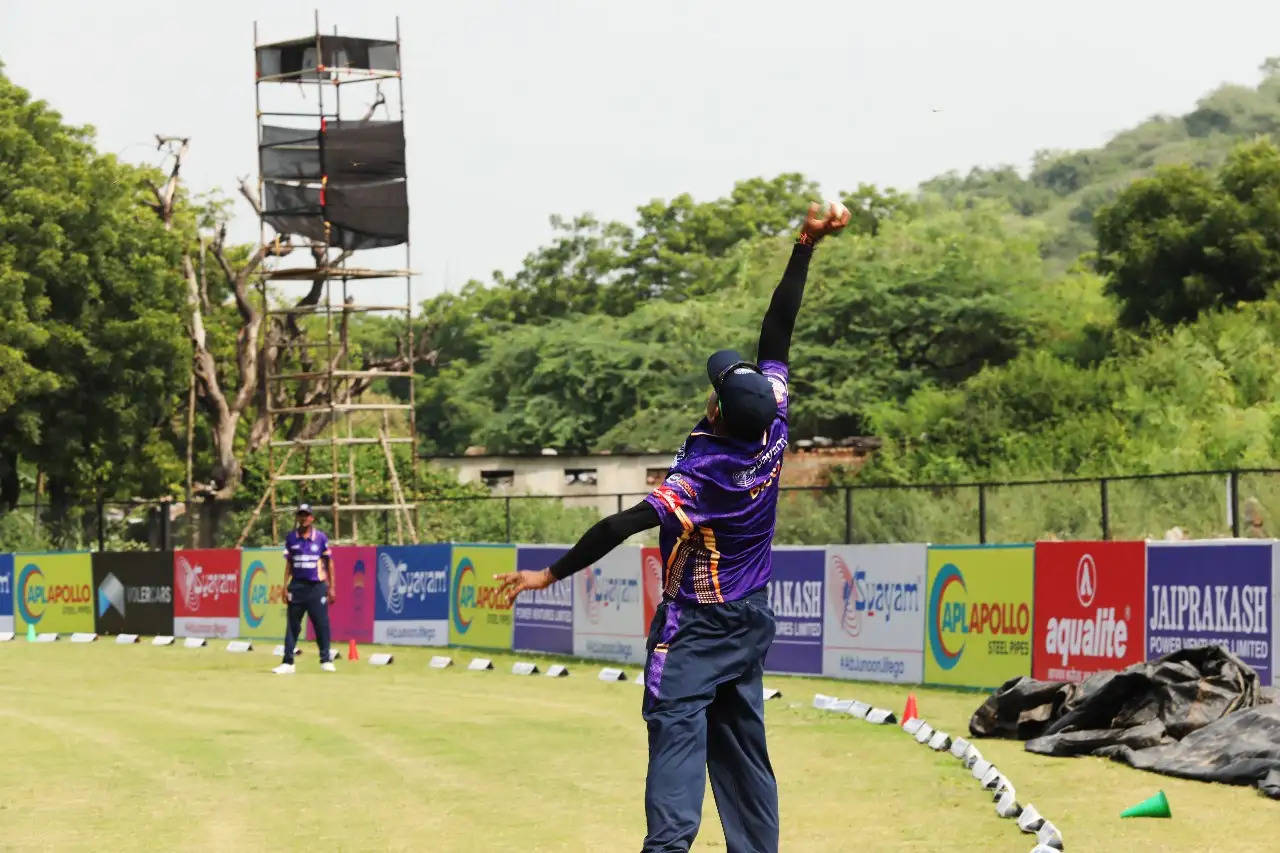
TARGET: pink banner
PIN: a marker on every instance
(351, 615)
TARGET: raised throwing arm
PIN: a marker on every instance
(780, 319)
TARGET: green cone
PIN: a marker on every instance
(1157, 806)
(31, 633)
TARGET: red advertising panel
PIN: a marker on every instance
(206, 593)
(354, 587)
(651, 575)
(1090, 608)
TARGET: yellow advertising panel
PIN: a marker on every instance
(478, 616)
(262, 605)
(978, 625)
(54, 592)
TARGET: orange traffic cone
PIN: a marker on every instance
(352, 653)
(910, 712)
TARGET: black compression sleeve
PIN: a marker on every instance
(605, 535)
(780, 319)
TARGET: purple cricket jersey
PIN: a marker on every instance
(305, 552)
(718, 508)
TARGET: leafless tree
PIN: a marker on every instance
(228, 397)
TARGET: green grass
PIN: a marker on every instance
(140, 748)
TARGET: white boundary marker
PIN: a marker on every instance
(610, 673)
(194, 643)
(440, 662)
(381, 659)
(126, 639)
(557, 670)
(240, 646)
(524, 668)
(162, 640)
(480, 664)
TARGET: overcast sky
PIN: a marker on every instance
(523, 108)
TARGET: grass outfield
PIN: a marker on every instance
(133, 747)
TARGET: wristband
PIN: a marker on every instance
(805, 239)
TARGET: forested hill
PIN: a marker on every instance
(1086, 317)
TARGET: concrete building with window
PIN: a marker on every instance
(598, 479)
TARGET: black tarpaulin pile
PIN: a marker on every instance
(1197, 713)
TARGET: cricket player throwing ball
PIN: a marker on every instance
(717, 508)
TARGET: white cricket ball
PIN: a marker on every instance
(837, 209)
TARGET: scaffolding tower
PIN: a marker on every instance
(332, 186)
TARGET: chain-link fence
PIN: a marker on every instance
(1197, 505)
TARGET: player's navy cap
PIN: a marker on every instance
(747, 403)
(304, 509)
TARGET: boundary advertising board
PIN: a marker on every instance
(411, 607)
(543, 617)
(978, 622)
(1090, 608)
(874, 621)
(206, 593)
(795, 596)
(6, 592)
(608, 608)
(355, 591)
(134, 592)
(1211, 593)
(478, 615)
(54, 592)
(262, 605)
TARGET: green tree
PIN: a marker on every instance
(1183, 241)
(97, 310)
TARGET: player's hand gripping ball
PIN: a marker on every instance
(824, 219)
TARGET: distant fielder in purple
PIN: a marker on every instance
(716, 511)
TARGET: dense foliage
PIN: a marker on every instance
(1105, 311)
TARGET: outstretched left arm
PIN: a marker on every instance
(603, 536)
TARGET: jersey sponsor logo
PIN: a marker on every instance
(747, 475)
(195, 584)
(669, 497)
(779, 388)
(683, 483)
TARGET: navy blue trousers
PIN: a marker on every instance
(311, 599)
(704, 704)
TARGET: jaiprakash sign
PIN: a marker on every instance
(1211, 593)
(1089, 608)
(875, 602)
(795, 595)
(543, 617)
